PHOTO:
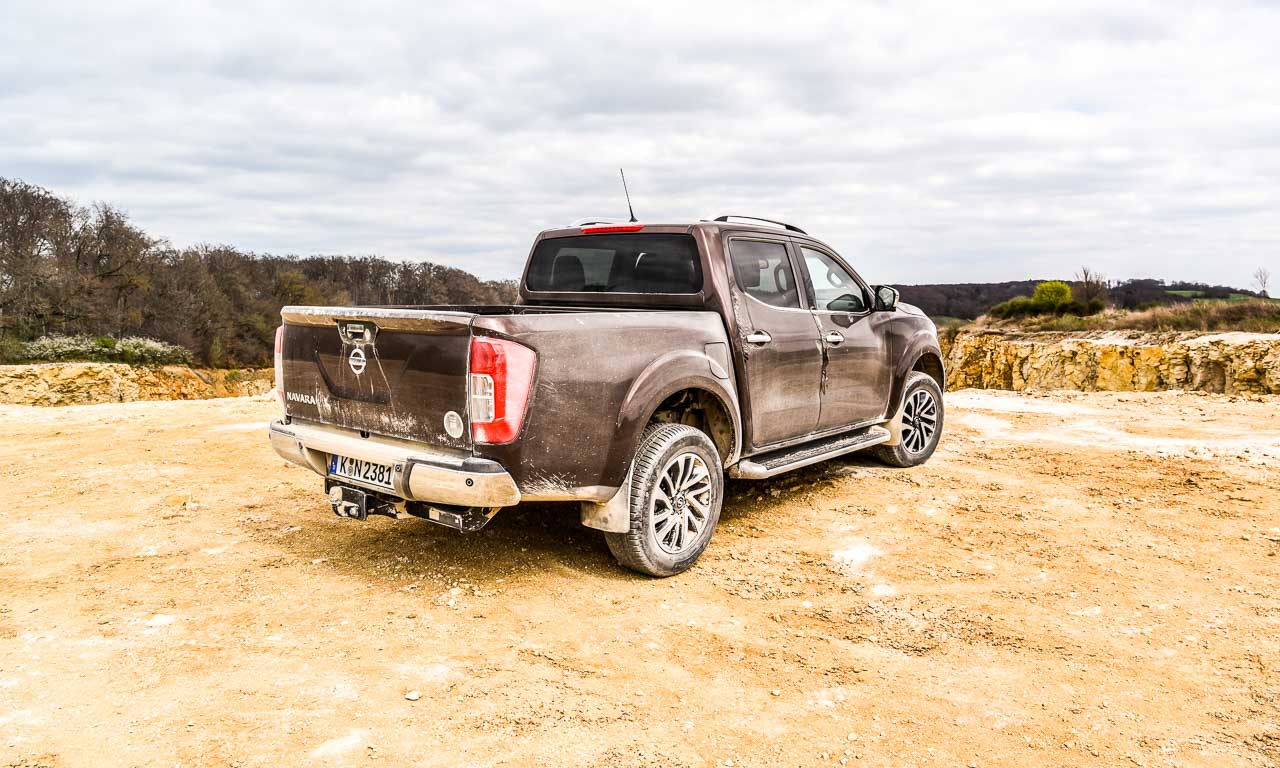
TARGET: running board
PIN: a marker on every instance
(776, 462)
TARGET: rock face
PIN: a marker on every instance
(1115, 361)
(88, 383)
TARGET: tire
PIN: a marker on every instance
(918, 442)
(675, 505)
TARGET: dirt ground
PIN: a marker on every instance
(1074, 579)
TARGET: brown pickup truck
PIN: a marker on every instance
(641, 364)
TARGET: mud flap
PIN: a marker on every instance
(894, 425)
(614, 515)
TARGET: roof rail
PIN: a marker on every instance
(783, 224)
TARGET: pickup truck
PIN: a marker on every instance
(641, 364)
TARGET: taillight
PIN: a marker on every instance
(280, 363)
(500, 380)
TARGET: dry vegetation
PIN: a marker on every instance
(1252, 315)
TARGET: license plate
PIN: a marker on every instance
(367, 472)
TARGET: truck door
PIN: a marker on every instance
(855, 384)
(779, 346)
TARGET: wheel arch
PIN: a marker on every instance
(921, 353)
(658, 392)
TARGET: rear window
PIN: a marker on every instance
(625, 263)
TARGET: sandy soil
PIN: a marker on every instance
(1074, 579)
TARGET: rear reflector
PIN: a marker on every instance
(501, 376)
(612, 228)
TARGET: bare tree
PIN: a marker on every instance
(1262, 279)
(1090, 285)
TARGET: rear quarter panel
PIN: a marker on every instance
(600, 375)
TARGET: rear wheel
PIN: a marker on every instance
(677, 487)
(921, 423)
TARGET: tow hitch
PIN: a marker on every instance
(358, 504)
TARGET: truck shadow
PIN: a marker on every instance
(529, 538)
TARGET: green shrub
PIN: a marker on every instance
(12, 350)
(1052, 297)
(1052, 293)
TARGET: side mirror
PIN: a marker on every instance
(886, 298)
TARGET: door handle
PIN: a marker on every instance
(759, 337)
(833, 338)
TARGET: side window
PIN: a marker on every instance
(764, 272)
(834, 288)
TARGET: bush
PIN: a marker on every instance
(1052, 297)
(139, 351)
(131, 349)
(11, 350)
(56, 348)
(1052, 293)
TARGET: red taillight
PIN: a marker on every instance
(280, 363)
(612, 228)
(501, 377)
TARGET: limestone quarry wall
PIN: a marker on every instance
(1115, 361)
(88, 383)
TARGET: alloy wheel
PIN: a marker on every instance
(681, 503)
(919, 420)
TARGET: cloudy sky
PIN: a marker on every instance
(944, 141)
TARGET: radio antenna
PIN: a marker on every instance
(628, 194)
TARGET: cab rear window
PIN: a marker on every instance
(616, 263)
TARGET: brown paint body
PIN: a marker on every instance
(605, 362)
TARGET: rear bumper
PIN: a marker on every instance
(421, 473)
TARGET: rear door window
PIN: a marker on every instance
(616, 263)
(763, 271)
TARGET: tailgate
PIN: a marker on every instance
(395, 372)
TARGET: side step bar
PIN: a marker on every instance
(773, 463)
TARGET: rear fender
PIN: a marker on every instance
(668, 374)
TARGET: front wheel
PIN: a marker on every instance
(677, 487)
(921, 423)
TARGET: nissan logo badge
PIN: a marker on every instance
(357, 361)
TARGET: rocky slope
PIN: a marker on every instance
(87, 383)
(1230, 363)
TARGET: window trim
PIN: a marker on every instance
(813, 294)
(785, 242)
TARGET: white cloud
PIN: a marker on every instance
(926, 141)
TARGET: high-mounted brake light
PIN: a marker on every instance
(500, 381)
(279, 360)
(612, 228)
